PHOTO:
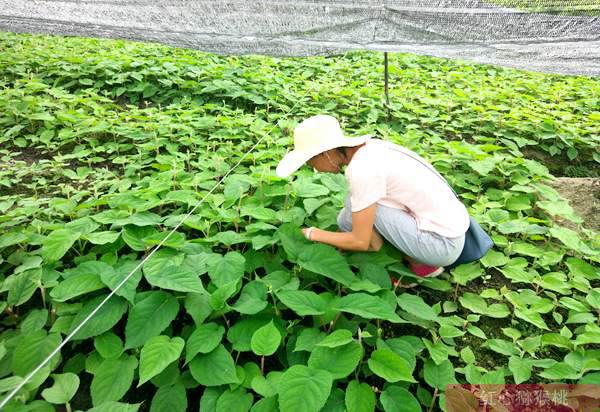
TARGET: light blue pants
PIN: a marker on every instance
(400, 229)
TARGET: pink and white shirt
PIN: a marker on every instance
(380, 172)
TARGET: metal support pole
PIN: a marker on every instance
(385, 78)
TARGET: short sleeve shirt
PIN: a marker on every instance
(387, 174)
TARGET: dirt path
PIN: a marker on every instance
(583, 194)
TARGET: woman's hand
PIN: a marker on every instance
(362, 237)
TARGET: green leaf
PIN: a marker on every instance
(463, 274)
(571, 239)
(265, 340)
(12, 238)
(76, 286)
(337, 338)
(366, 306)
(440, 375)
(237, 400)
(415, 305)
(214, 368)
(22, 286)
(158, 352)
(303, 302)
(170, 398)
(257, 212)
(520, 368)
(494, 259)
(303, 188)
(161, 271)
(253, 298)
(359, 397)
(112, 379)
(149, 317)
(395, 398)
(326, 261)
(103, 320)
(204, 339)
(559, 372)
(113, 406)
(501, 346)
(227, 269)
(64, 388)
(102, 238)
(308, 339)
(31, 350)
(57, 243)
(389, 366)
(113, 277)
(304, 389)
(532, 317)
(339, 361)
(108, 345)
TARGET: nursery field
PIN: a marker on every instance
(105, 146)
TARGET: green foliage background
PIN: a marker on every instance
(106, 145)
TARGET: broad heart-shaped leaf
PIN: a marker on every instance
(102, 238)
(395, 398)
(57, 243)
(339, 361)
(149, 317)
(113, 406)
(112, 379)
(76, 286)
(532, 317)
(22, 286)
(520, 368)
(415, 305)
(237, 400)
(65, 386)
(164, 270)
(32, 348)
(253, 298)
(494, 259)
(226, 269)
(169, 398)
(112, 279)
(106, 317)
(265, 340)
(175, 278)
(108, 345)
(571, 239)
(158, 352)
(337, 338)
(304, 188)
(303, 389)
(303, 302)
(367, 306)
(214, 368)
(438, 376)
(260, 213)
(360, 397)
(292, 240)
(326, 261)
(463, 274)
(204, 339)
(390, 366)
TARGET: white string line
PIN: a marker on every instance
(68, 338)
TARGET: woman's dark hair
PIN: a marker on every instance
(342, 151)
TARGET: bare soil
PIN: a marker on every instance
(583, 194)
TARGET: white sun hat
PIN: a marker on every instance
(315, 135)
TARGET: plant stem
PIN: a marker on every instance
(262, 364)
(435, 394)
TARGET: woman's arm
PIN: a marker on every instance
(363, 236)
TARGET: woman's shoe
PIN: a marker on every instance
(425, 270)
